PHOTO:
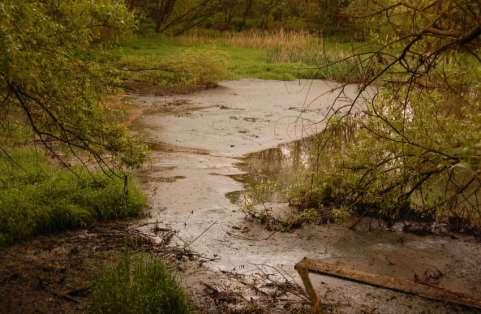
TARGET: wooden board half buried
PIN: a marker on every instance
(346, 272)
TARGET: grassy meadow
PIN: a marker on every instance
(199, 59)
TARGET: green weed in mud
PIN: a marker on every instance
(138, 284)
(257, 205)
(39, 197)
(293, 220)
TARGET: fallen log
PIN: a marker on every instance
(346, 272)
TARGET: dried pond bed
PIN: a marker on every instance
(248, 116)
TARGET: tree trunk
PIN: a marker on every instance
(247, 12)
(162, 13)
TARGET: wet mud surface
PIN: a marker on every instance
(55, 273)
(202, 146)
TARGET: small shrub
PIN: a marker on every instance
(191, 70)
(138, 284)
(341, 214)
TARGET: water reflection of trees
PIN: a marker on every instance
(281, 161)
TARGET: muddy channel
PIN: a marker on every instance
(200, 146)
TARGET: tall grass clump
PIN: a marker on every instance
(180, 73)
(138, 284)
(250, 39)
(39, 197)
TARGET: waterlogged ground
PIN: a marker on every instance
(202, 145)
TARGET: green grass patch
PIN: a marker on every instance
(138, 284)
(39, 197)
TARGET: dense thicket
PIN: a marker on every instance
(415, 148)
(178, 16)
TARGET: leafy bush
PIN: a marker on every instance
(413, 151)
(55, 72)
(185, 72)
(38, 197)
(138, 284)
(402, 162)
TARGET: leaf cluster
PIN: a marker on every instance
(54, 73)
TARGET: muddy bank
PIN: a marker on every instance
(55, 273)
(197, 141)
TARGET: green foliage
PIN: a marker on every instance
(54, 72)
(185, 72)
(341, 214)
(138, 284)
(179, 16)
(287, 223)
(413, 151)
(38, 197)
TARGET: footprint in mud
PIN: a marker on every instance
(167, 179)
(298, 109)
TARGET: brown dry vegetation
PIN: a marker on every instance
(251, 39)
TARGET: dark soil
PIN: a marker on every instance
(53, 274)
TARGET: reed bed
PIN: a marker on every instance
(252, 39)
(282, 46)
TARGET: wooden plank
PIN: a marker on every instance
(347, 272)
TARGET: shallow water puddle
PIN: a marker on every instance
(272, 170)
(204, 152)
